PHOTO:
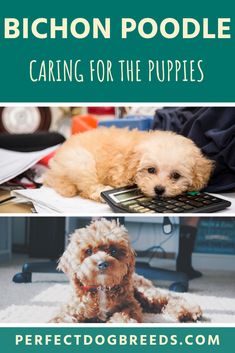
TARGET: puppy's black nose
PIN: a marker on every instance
(103, 265)
(159, 190)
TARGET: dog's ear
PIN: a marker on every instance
(131, 263)
(202, 169)
(133, 164)
(66, 262)
(63, 263)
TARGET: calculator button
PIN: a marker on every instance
(159, 198)
(128, 203)
(179, 204)
(140, 208)
(169, 207)
(144, 210)
(199, 199)
(195, 203)
(214, 199)
(135, 207)
(152, 207)
(146, 203)
(160, 209)
(187, 207)
(158, 203)
(207, 202)
(177, 209)
(207, 196)
(193, 193)
(144, 199)
(182, 198)
(172, 202)
(132, 206)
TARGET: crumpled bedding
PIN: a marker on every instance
(213, 130)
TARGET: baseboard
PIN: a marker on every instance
(214, 262)
(200, 262)
(4, 257)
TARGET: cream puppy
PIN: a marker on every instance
(160, 163)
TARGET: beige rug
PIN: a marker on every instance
(38, 301)
(45, 304)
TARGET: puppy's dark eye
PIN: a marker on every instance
(113, 251)
(175, 176)
(88, 252)
(152, 170)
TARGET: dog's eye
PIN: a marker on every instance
(152, 170)
(175, 176)
(88, 252)
(113, 251)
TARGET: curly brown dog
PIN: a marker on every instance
(160, 163)
(99, 262)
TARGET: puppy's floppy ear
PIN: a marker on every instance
(67, 261)
(63, 263)
(131, 263)
(133, 163)
(201, 172)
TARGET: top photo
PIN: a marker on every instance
(126, 159)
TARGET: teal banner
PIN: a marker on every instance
(122, 51)
(113, 339)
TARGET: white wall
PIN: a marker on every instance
(146, 232)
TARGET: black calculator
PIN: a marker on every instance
(132, 200)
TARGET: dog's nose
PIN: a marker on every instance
(159, 190)
(103, 265)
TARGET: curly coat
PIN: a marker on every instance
(112, 293)
(105, 158)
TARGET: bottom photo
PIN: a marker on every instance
(117, 270)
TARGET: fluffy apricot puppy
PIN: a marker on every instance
(99, 262)
(160, 163)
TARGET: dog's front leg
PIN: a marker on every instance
(69, 314)
(151, 299)
(82, 171)
(73, 172)
(131, 313)
(94, 191)
(182, 310)
(154, 300)
(60, 183)
(121, 317)
(67, 318)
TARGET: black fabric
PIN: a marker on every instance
(213, 130)
(30, 142)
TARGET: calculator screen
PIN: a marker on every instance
(124, 196)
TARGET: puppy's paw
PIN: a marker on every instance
(66, 318)
(183, 310)
(68, 191)
(121, 317)
(190, 314)
(96, 194)
(156, 305)
(151, 300)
